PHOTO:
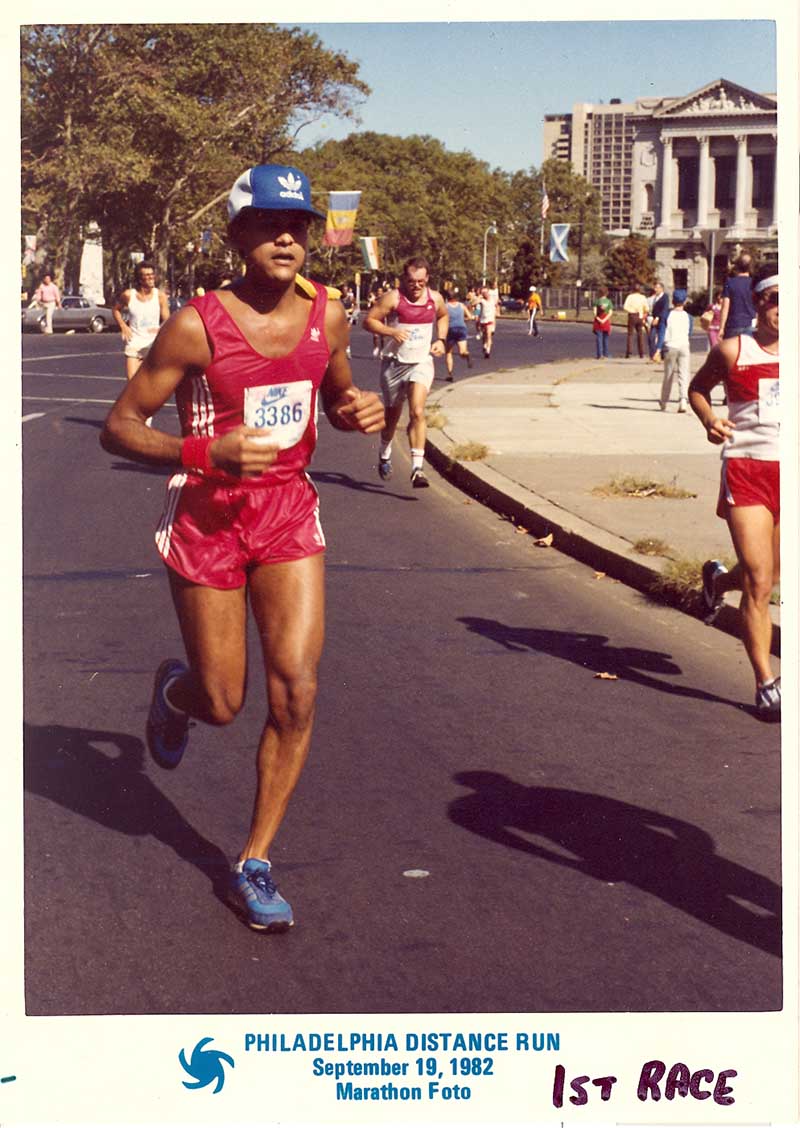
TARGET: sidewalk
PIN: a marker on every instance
(557, 432)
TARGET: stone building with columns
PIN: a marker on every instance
(696, 174)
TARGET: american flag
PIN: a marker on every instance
(545, 202)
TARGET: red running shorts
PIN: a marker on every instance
(213, 535)
(750, 481)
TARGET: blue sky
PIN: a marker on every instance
(486, 87)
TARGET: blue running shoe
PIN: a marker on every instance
(167, 731)
(253, 892)
(385, 468)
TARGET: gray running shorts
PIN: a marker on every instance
(396, 376)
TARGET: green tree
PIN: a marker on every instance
(628, 262)
(417, 198)
(142, 127)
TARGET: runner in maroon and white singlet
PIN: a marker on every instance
(749, 500)
(248, 365)
(412, 323)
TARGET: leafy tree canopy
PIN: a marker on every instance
(143, 127)
(627, 263)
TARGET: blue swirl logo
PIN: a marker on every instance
(205, 1066)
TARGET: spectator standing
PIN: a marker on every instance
(676, 352)
(636, 308)
(534, 309)
(658, 326)
(601, 326)
(48, 296)
(710, 319)
(738, 312)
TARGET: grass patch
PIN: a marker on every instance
(469, 452)
(629, 485)
(652, 546)
(435, 419)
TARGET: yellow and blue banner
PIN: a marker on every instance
(369, 251)
(341, 218)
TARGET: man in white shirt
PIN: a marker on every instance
(147, 307)
(636, 308)
(676, 352)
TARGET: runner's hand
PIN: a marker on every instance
(400, 335)
(437, 348)
(126, 331)
(360, 411)
(718, 430)
(244, 451)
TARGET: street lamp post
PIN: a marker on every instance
(490, 230)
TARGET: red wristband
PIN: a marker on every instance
(195, 454)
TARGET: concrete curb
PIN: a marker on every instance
(572, 535)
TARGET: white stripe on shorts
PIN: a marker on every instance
(164, 530)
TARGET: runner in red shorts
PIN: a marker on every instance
(247, 364)
(749, 501)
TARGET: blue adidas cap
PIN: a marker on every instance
(274, 187)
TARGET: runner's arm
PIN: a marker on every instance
(163, 305)
(442, 325)
(375, 321)
(117, 309)
(345, 405)
(714, 370)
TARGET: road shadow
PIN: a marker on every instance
(612, 841)
(139, 468)
(592, 651)
(97, 423)
(73, 768)
(337, 478)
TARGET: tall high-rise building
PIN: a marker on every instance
(692, 172)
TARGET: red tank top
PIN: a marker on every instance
(279, 393)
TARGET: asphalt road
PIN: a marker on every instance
(585, 843)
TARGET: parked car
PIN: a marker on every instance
(76, 313)
(512, 304)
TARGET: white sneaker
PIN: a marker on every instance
(682, 407)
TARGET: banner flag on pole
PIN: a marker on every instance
(558, 242)
(369, 251)
(545, 202)
(341, 218)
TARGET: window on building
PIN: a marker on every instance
(680, 278)
(725, 186)
(688, 169)
(763, 180)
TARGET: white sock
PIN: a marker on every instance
(417, 458)
(386, 450)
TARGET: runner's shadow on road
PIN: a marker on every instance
(592, 651)
(336, 478)
(98, 423)
(138, 468)
(615, 842)
(73, 768)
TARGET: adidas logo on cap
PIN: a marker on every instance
(272, 187)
